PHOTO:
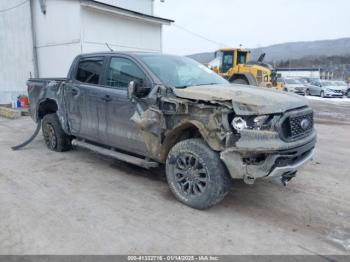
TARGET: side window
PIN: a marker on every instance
(122, 71)
(89, 70)
(241, 58)
(227, 62)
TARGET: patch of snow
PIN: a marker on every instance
(332, 100)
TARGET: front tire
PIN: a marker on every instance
(307, 92)
(322, 94)
(54, 136)
(196, 175)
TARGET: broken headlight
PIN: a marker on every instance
(252, 122)
(239, 123)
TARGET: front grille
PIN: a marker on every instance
(337, 91)
(296, 126)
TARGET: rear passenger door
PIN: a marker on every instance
(121, 132)
(86, 109)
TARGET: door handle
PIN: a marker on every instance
(107, 98)
(75, 91)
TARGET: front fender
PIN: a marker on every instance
(172, 136)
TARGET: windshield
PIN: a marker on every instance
(327, 83)
(181, 72)
(292, 81)
(340, 83)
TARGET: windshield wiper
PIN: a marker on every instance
(206, 84)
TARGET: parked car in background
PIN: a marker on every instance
(304, 81)
(324, 88)
(307, 80)
(347, 92)
(293, 85)
(343, 85)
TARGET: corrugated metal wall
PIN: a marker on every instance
(16, 48)
(121, 33)
(142, 6)
(58, 36)
(66, 30)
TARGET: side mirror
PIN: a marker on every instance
(137, 89)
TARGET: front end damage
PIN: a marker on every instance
(258, 140)
(276, 151)
(277, 147)
(250, 165)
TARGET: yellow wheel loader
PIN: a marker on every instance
(234, 65)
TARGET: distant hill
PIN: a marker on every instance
(203, 58)
(292, 50)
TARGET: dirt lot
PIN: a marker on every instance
(82, 203)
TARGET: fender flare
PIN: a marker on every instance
(172, 136)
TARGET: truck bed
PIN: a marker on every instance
(40, 89)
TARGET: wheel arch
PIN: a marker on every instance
(47, 106)
(245, 76)
(186, 130)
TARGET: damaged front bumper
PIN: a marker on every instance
(273, 159)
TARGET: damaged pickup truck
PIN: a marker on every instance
(151, 109)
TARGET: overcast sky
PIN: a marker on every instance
(252, 23)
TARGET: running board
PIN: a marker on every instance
(117, 155)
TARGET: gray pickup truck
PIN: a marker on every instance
(151, 109)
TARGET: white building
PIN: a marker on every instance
(299, 72)
(40, 38)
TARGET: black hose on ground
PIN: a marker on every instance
(30, 139)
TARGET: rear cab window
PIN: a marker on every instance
(89, 70)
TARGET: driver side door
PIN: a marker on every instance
(121, 131)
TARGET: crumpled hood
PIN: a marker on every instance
(246, 100)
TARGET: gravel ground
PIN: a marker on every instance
(328, 110)
(79, 202)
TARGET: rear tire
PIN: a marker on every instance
(54, 136)
(322, 94)
(240, 81)
(196, 175)
(307, 92)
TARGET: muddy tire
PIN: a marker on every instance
(196, 175)
(240, 81)
(54, 136)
